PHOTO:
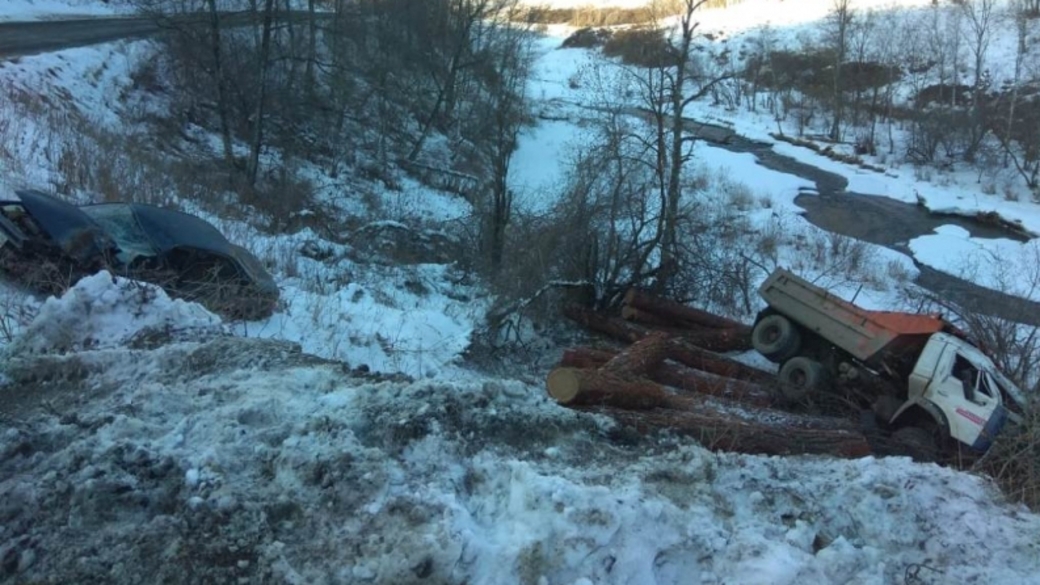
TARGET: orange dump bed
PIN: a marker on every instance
(864, 334)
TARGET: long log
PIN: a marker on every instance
(613, 328)
(711, 339)
(716, 430)
(691, 380)
(635, 315)
(572, 387)
(678, 312)
(679, 377)
(639, 359)
(708, 361)
(719, 339)
(684, 353)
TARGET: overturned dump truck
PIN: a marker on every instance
(937, 389)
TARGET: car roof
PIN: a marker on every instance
(60, 219)
(169, 229)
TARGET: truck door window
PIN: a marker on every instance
(968, 375)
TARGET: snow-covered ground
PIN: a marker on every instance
(228, 459)
(18, 10)
(181, 449)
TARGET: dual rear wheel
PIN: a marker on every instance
(779, 341)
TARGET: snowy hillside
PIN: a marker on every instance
(346, 439)
(240, 460)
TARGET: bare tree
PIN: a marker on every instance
(838, 24)
(503, 108)
(675, 80)
(263, 70)
(980, 17)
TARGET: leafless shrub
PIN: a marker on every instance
(587, 38)
(589, 16)
(644, 47)
(1014, 460)
(280, 198)
(15, 314)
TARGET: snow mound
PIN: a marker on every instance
(242, 460)
(106, 311)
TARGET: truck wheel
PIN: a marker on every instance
(917, 442)
(799, 376)
(776, 338)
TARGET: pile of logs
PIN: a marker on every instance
(674, 376)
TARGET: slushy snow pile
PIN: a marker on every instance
(104, 311)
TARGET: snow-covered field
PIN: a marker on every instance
(176, 448)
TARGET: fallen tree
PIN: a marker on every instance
(633, 387)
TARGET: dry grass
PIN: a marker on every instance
(643, 47)
(1014, 461)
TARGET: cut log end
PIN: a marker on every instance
(564, 385)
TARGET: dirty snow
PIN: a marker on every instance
(244, 459)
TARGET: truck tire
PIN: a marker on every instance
(801, 376)
(917, 442)
(776, 338)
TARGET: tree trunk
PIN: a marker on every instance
(641, 358)
(312, 41)
(714, 363)
(258, 122)
(573, 387)
(614, 328)
(680, 377)
(677, 312)
(683, 350)
(218, 74)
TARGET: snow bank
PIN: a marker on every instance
(105, 311)
(1000, 264)
(242, 459)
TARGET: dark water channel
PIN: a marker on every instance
(883, 221)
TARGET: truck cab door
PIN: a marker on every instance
(971, 401)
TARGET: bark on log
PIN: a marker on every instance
(572, 386)
(702, 359)
(635, 315)
(711, 339)
(585, 358)
(717, 431)
(639, 359)
(719, 339)
(691, 380)
(614, 328)
(678, 312)
(680, 377)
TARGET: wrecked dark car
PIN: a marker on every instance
(49, 244)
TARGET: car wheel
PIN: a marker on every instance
(801, 376)
(917, 442)
(776, 338)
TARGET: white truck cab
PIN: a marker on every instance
(963, 389)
